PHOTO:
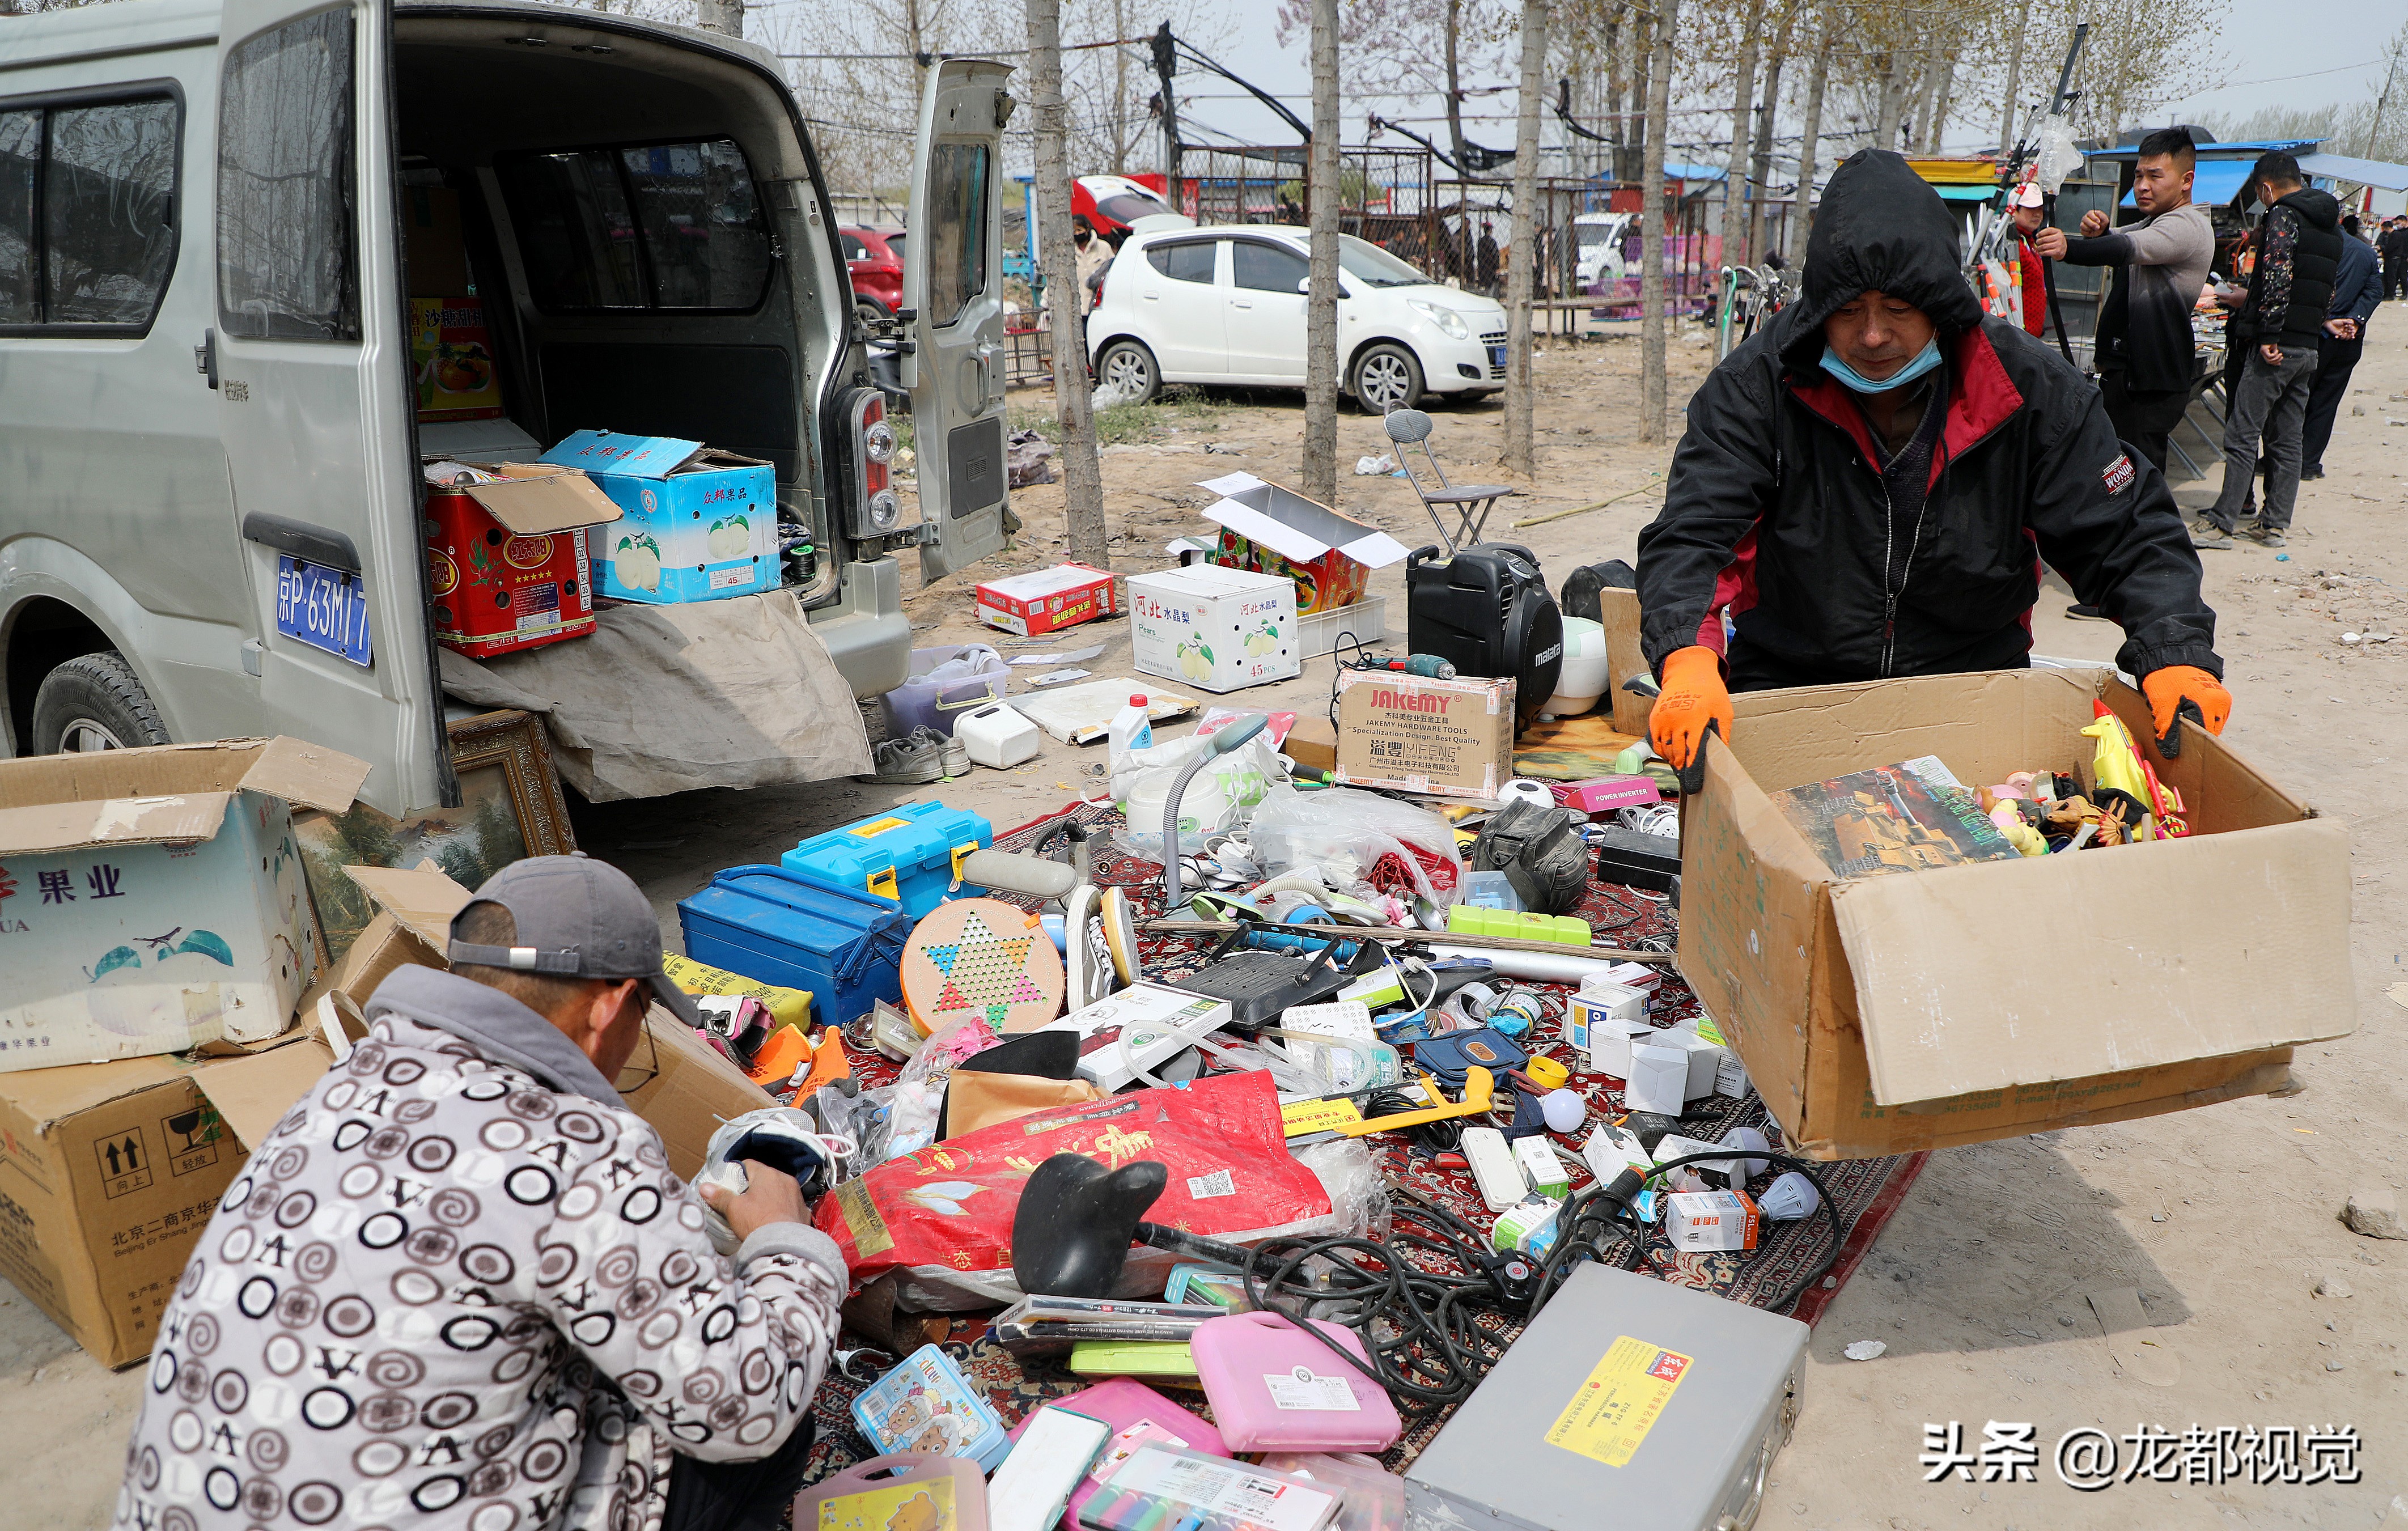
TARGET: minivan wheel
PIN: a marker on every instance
(1128, 369)
(94, 702)
(1387, 378)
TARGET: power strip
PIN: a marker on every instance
(1493, 1168)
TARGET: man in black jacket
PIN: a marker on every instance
(2298, 256)
(1868, 487)
(2393, 247)
(2358, 292)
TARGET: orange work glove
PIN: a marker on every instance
(2173, 691)
(1694, 700)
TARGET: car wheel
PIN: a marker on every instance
(1128, 369)
(94, 702)
(871, 312)
(1387, 378)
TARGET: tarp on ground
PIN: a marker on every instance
(737, 692)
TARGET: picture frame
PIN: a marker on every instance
(511, 807)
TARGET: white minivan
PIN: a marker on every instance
(1226, 306)
(208, 403)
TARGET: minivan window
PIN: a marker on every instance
(88, 213)
(1190, 260)
(957, 255)
(286, 263)
(658, 226)
(1267, 269)
(109, 196)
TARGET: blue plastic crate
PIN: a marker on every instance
(907, 855)
(767, 923)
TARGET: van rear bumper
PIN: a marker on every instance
(865, 629)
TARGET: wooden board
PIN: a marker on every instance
(982, 959)
(1618, 613)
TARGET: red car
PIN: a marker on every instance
(874, 259)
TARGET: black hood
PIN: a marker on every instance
(2321, 208)
(1882, 228)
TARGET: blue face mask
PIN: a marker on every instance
(1850, 378)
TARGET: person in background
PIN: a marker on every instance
(2146, 358)
(2358, 292)
(2031, 218)
(2393, 248)
(2290, 291)
(1866, 485)
(458, 1286)
(1094, 255)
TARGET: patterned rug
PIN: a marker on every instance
(1865, 1191)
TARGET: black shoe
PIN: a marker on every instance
(2306, 474)
(2086, 614)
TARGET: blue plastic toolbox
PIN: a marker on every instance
(767, 923)
(909, 854)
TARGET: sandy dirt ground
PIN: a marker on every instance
(2222, 1219)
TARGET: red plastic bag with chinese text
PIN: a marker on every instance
(943, 1215)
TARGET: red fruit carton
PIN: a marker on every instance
(1046, 600)
(507, 558)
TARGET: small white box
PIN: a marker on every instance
(1159, 1022)
(1493, 1168)
(1612, 1150)
(1711, 1220)
(1215, 628)
(1730, 1076)
(1535, 1157)
(1658, 1080)
(1599, 1001)
(1704, 1059)
(999, 734)
(1642, 976)
(1674, 1146)
(1609, 1042)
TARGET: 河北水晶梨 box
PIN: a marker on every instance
(152, 900)
(1453, 738)
(1883, 1014)
(507, 560)
(1224, 629)
(1046, 600)
(701, 525)
(1272, 529)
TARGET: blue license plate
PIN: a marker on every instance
(323, 607)
(1497, 356)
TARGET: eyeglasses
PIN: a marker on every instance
(635, 1076)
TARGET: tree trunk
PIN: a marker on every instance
(1320, 468)
(1074, 410)
(1735, 168)
(1616, 101)
(1810, 140)
(726, 17)
(1659, 223)
(1642, 55)
(1120, 90)
(2010, 110)
(1935, 135)
(1454, 88)
(1520, 455)
(1893, 99)
(1759, 164)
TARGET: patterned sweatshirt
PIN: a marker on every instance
(458, 1286)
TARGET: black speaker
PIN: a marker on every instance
(1488, 610)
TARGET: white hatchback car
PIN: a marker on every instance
(1226, 306)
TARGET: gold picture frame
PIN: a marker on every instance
(511, 807)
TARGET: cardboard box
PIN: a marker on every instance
(1046, 600)
(1271, 529)
(1224, 629)
(1312, 742)
(1886, 1014)
(701, 524)
(412, 925)
(1450, 738)
(451, 356)
(507, 561)
(152, 900)
(109, 1172)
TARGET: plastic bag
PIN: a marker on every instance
(943, 1215)
(914, 1102)
(1356, 838)
(1222, 797)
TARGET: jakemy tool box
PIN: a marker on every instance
(912, 854)
(1628, 1403)
(773, 926)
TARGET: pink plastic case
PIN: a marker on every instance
(1126, 1406)
(1276, 1388)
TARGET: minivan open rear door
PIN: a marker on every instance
(952, 284)
(310, 363)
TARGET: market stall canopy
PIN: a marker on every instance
(2357, 172)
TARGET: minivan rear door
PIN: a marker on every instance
(952, 283)
(310, 364)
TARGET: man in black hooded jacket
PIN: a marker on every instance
(1870, 485)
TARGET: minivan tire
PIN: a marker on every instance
(94, 702)
(1387, 377)
(871, 312)
(1129, 366)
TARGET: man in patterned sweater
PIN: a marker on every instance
(458, 1285)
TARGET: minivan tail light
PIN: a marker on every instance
(876, 509)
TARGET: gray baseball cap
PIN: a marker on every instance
(577, 918)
